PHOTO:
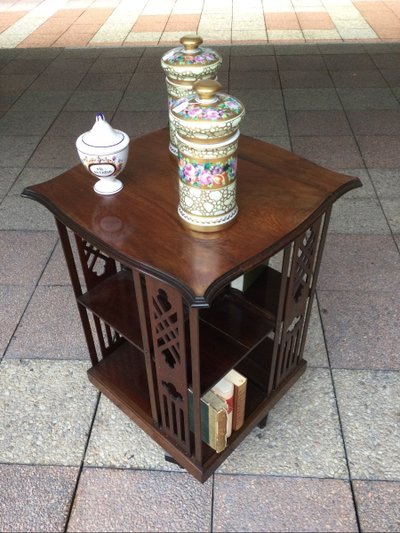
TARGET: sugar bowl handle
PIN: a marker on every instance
(191, 42)
(206, 89)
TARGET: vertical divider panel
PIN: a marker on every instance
(325, 219)
(301, 275)
(168, 331)
(196, 383)
(76, 285)
(278, 322)
(151, 378)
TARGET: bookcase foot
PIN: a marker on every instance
(263, 422)
(170, 459)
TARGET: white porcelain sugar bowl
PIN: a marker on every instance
(104, 152)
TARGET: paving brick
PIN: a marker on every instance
(301, 79)
(311, 99)
(301, 62)
(13, 302)
(317, 122)
(370, 98)
(361, 328)
(140, 501)
(35, 498)
(42, 332)
(47, 408)
(324, 150)
(360, 262)
(380, 151)
(358, 216)
(136, 123)
(24, 256)
(263, 503)
(358, 78)
(368, 406)
(377, 505)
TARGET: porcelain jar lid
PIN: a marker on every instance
(102, 137)
(208, 111)
(191, 62)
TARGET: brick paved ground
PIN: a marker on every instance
(59, 23)
(329, 458)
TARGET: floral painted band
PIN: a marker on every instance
(210, 175)
(225, 109)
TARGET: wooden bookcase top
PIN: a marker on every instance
(278, 195)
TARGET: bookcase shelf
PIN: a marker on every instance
(121, 376)
(114, 301)
(264, 292)
(234, 315)
(159, 313)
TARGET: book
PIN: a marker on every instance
(239, 397)
(213, 420)
(224, 389)
(242, 283)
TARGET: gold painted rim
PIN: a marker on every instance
(221, 160)
(208, 123)
(180, 83)
(214, 140)
(207, 229)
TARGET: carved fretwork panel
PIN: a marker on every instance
(168, 332)
(300, 277)
(96, 266)
(301, 272)
(290, 348)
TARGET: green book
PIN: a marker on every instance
(213, 420)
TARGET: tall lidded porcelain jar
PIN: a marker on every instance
(207, 133)
(184, 66)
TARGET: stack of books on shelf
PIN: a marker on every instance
(222, 410)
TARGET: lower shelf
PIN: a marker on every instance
(121, 377)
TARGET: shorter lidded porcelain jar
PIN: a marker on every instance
(207, 138)
(104, 152)
(184, 66)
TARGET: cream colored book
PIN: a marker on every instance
(224, 389)
(239, 397)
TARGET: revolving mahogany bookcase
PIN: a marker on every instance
(156, 302)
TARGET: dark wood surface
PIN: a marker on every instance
(279, 193)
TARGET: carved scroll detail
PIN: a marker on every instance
(96, 266)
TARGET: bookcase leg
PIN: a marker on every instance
(170, 459)
(263, 422)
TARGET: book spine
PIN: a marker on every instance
(213, 420)
(239, 397)
(217, 423)
(239, 405)
(224, 389)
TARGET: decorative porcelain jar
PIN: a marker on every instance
(207, 126)
(184, 66)
(104, 152)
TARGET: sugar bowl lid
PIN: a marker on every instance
(102, 138)
(208, 105)
(190, 60)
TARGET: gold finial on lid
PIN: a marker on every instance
(191, 42)
(206, 89)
